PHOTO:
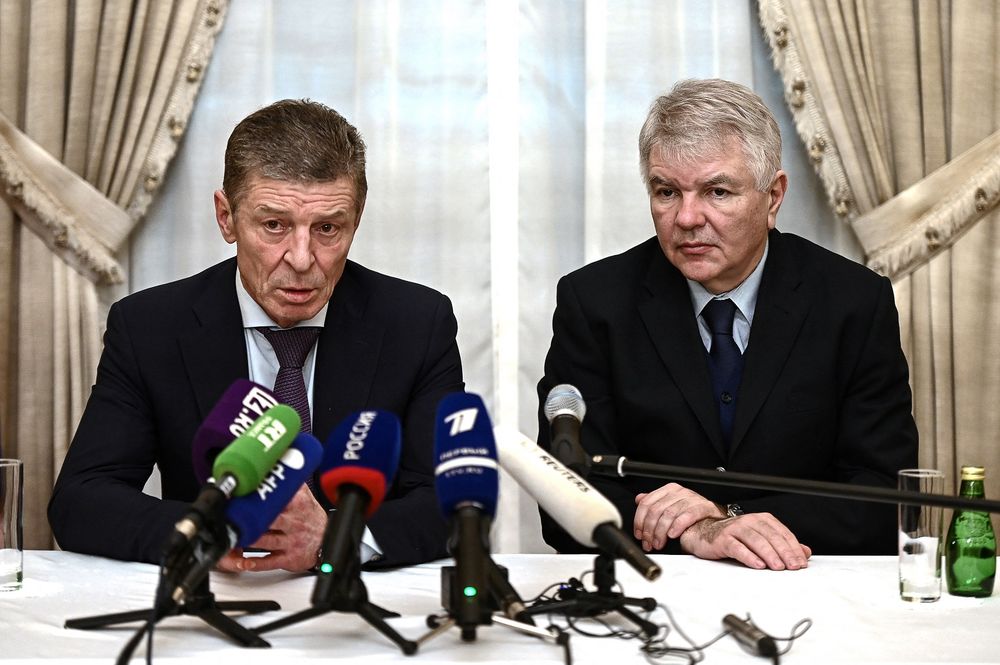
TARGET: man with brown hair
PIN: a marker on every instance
(293, 193)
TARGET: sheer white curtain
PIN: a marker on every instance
(502, 153)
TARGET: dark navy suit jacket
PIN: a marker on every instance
(824, 394)
(171, 351)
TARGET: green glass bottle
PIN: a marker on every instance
(971, 546)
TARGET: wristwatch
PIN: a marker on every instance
(733, 510)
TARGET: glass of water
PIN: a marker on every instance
(920, 532)
(11, 537)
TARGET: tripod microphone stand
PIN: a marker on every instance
(183, 588)
(573, 600)
(501, 605)
(343, 591)
(201, 604)
(174, 597)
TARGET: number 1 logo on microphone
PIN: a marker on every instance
(462, 421)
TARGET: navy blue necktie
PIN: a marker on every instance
(725, 361)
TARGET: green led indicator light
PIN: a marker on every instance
(470, 591)
(326, 568)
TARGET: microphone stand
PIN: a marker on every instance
(573, 600)
(342, 590)
(502, 600)
(619, 466)
(200, 602)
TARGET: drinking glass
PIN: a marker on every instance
(920, 532)
(11, 537)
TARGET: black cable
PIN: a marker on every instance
(147, 628)
(126, 654)
(149, 639)
(576, 623)
(654, 648)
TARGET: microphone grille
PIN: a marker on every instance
(565, 399)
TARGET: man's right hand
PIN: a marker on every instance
(757, 540)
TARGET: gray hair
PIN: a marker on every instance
(698, 116)
(294, 140)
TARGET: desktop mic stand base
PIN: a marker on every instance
(439, 623)
(575, 601)
(201, 604)
(352, 599)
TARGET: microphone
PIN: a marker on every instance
(358, 466)
(575, 504)
(247, 517)
(238, 469)
(564, 409)
(247, 460)
(750, 636)
(242, 403)
(467, 485)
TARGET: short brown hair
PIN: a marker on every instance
(295, 140)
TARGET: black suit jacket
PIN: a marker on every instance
(824, 394)
(171, 351)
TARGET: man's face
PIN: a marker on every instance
(292, 240)
(711, 221)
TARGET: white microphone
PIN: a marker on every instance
(575, 504)
(564, 409)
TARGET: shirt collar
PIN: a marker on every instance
(744, 295)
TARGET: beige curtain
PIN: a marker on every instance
(94, 97)
(898, 103)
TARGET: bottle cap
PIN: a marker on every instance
(973, 472)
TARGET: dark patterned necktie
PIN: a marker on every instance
(724, 361)
(291, 346)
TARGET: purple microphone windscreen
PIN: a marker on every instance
(465, 455)
(364, 451)
(242, 403)
(251, 515)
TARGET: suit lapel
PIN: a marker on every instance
(347, 355)
(675, 336)
(778, 317)
(215, 353)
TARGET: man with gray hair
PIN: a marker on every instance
(724, 344)
(292, 195)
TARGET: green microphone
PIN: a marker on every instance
(237, 471)
(245, 462)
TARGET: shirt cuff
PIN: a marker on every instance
(370, 551)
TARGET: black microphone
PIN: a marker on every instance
(565, 409)
(750, 636)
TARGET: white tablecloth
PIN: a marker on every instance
(853, 602)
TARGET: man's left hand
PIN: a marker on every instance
(292, 541)
(757, 540)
